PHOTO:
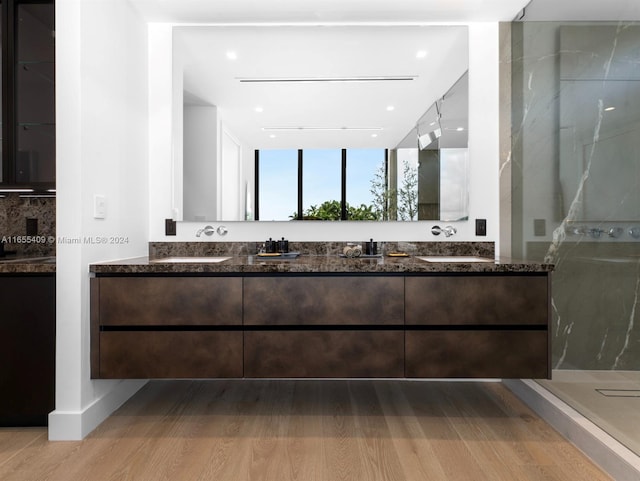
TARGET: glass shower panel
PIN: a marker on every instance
(576, 203)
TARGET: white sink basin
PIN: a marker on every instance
(454, 259)
(190, 260)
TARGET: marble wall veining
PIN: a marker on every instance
(14, 212)
(575, 182)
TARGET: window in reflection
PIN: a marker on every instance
(366, 185)
(322, 184)
(278, 184)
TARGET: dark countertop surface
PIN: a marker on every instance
(27, 265)
(312, 264)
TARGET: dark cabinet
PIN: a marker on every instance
(166, 327)
(27, 349)
(488, 326)
(28, 94)
(323, 353)
(324, 326)
(476, 354)
(170, 354)
(330, 300)
(318, 326)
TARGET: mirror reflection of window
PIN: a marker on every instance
(278, 184)
(365, 175)
(406, 188)
(321, 184)
(324, 172)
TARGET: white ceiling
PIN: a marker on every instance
(339, 38)
(277, 48)
(331, 114)
(283, 11)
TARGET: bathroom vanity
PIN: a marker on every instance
(320, 316)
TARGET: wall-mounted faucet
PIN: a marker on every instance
(209, 230)
(447, 230)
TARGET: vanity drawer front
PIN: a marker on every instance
(331, 354)
(142, 301)
(477, 354)
(170, 354)
(340, 300)
(485, 300)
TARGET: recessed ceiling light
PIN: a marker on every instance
(259, 109)
(272, 136)
(374, 135)
(460, 129)
(421, 54)
(609, 109)
(390, 108)
(231, 55)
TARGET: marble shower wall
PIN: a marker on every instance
(14, 212)
(575, 182)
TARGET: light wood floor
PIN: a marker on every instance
(306, 430)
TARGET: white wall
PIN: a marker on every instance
(101, 117)
(200, 175)
(483, 158)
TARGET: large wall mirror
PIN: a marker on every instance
(384, 107)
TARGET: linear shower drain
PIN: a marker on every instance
(620, 392)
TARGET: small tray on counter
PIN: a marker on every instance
(362, 256)
(278, 255)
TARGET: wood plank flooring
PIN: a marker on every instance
(245, 430)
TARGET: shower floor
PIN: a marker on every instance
(609, 399)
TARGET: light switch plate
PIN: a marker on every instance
(99, 207)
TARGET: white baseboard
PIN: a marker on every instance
(76, 425)
(618, 461)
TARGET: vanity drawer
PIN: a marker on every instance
(170, 354)
(331, 354)
(331, 300)
(143, 301)
(484, 300)
(477, 354)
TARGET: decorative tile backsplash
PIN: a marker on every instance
(14, 212)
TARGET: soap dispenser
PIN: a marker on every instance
(370, 248)
(283, 246)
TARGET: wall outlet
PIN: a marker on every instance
(32, 227)
(169, 227)
(539, 227)
(481, 227)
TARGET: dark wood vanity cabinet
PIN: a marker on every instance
(324, 326)
(488, 326)
(166, 327)
(436, 325)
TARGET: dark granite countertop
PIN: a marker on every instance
(27, 265)
(312, 264)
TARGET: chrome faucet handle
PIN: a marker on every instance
(208, 230)
(449, 230)
(222, 230)
(615, 232)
